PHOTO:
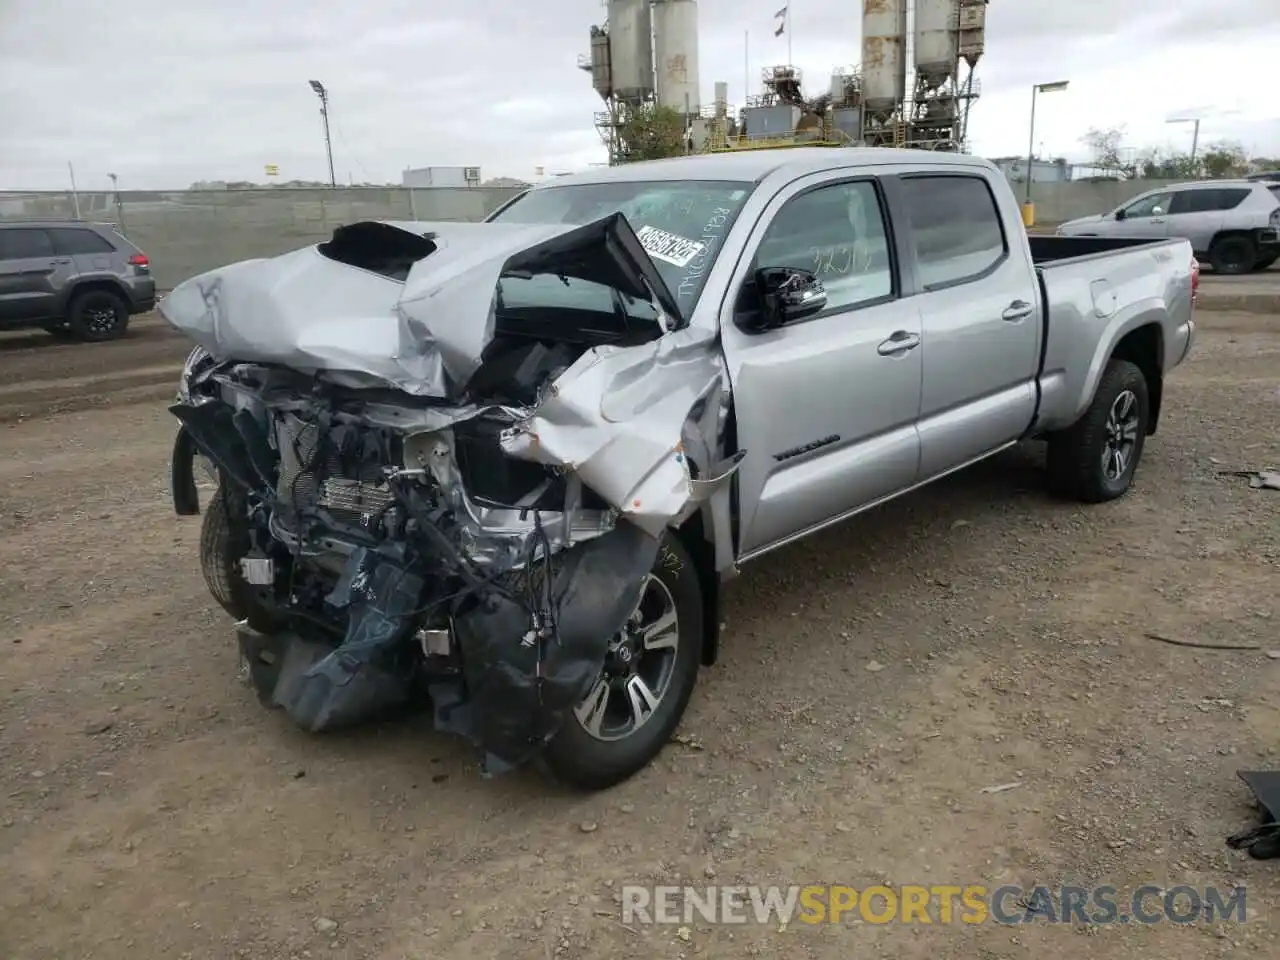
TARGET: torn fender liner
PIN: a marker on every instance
(425, 334)
(521, 689)
(229, 440)
(182, 479)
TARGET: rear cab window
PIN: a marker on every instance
(955, 228)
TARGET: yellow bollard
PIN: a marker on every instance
(1028, 214)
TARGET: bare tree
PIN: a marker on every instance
(1105, 146)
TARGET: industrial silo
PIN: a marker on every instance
(936, 53)
(884, 63)
(630, 49)
(675, 44)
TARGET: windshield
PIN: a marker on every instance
(681, 223)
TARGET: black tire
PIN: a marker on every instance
(222, 544)
(1075, 460)
(581, 760)
(1265, 263)
(1231, 256)
(98, 315)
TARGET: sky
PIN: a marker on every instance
(167, 93)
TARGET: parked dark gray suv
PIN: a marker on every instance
(74, 278)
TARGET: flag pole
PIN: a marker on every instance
(790, 62)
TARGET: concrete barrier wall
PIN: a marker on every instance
(1058, 202)
(188, 232)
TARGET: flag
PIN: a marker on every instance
(781, 17)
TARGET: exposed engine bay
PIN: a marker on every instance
(429, 488)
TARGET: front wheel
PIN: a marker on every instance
(1094, 460)
(635, 705)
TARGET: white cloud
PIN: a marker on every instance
(166, 93)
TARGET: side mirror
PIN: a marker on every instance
(1119, 214)
(788, 294)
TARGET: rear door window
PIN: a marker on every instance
(955, 228)
(69, 241)
(1194, 201)
(24, 243)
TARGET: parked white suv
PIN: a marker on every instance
(1234, 225)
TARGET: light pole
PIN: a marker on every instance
(323, 94)
(115, 189)
(1195, 134)
(1054, 87)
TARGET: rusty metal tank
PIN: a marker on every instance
(884, 63)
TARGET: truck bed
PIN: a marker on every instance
(1097, 292)
(1047, 249)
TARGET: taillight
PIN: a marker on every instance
(1195, 278)
(139, 260)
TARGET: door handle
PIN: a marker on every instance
(899, 343)
(1018, 310)
(1157, 219)
(61, 259)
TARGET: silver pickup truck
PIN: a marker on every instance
(503, 468)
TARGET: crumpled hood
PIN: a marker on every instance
(424, 334)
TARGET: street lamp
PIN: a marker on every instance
(323, 94)
(1054, 87)
(1195, 133)
(115, 189)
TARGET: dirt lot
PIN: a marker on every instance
(873, 681)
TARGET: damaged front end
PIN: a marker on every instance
(432, 481)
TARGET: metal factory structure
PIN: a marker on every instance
(645, 55)
(914, 87)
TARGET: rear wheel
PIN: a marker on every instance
(633, 707)
(1094, 460)
(98, 315)
(1233, 255)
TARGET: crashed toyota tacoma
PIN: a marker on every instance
(501, 468)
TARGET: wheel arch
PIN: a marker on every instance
(695, 538)
(1144, 348)
(97, 285)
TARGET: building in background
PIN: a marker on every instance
(427, 177)
(1042, 171)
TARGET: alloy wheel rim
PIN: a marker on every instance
(1121, 435)
(638, 670)
(100, 319)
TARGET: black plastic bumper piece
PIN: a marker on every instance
(1263, 840)
(182, 478)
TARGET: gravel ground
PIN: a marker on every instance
(873, 681)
